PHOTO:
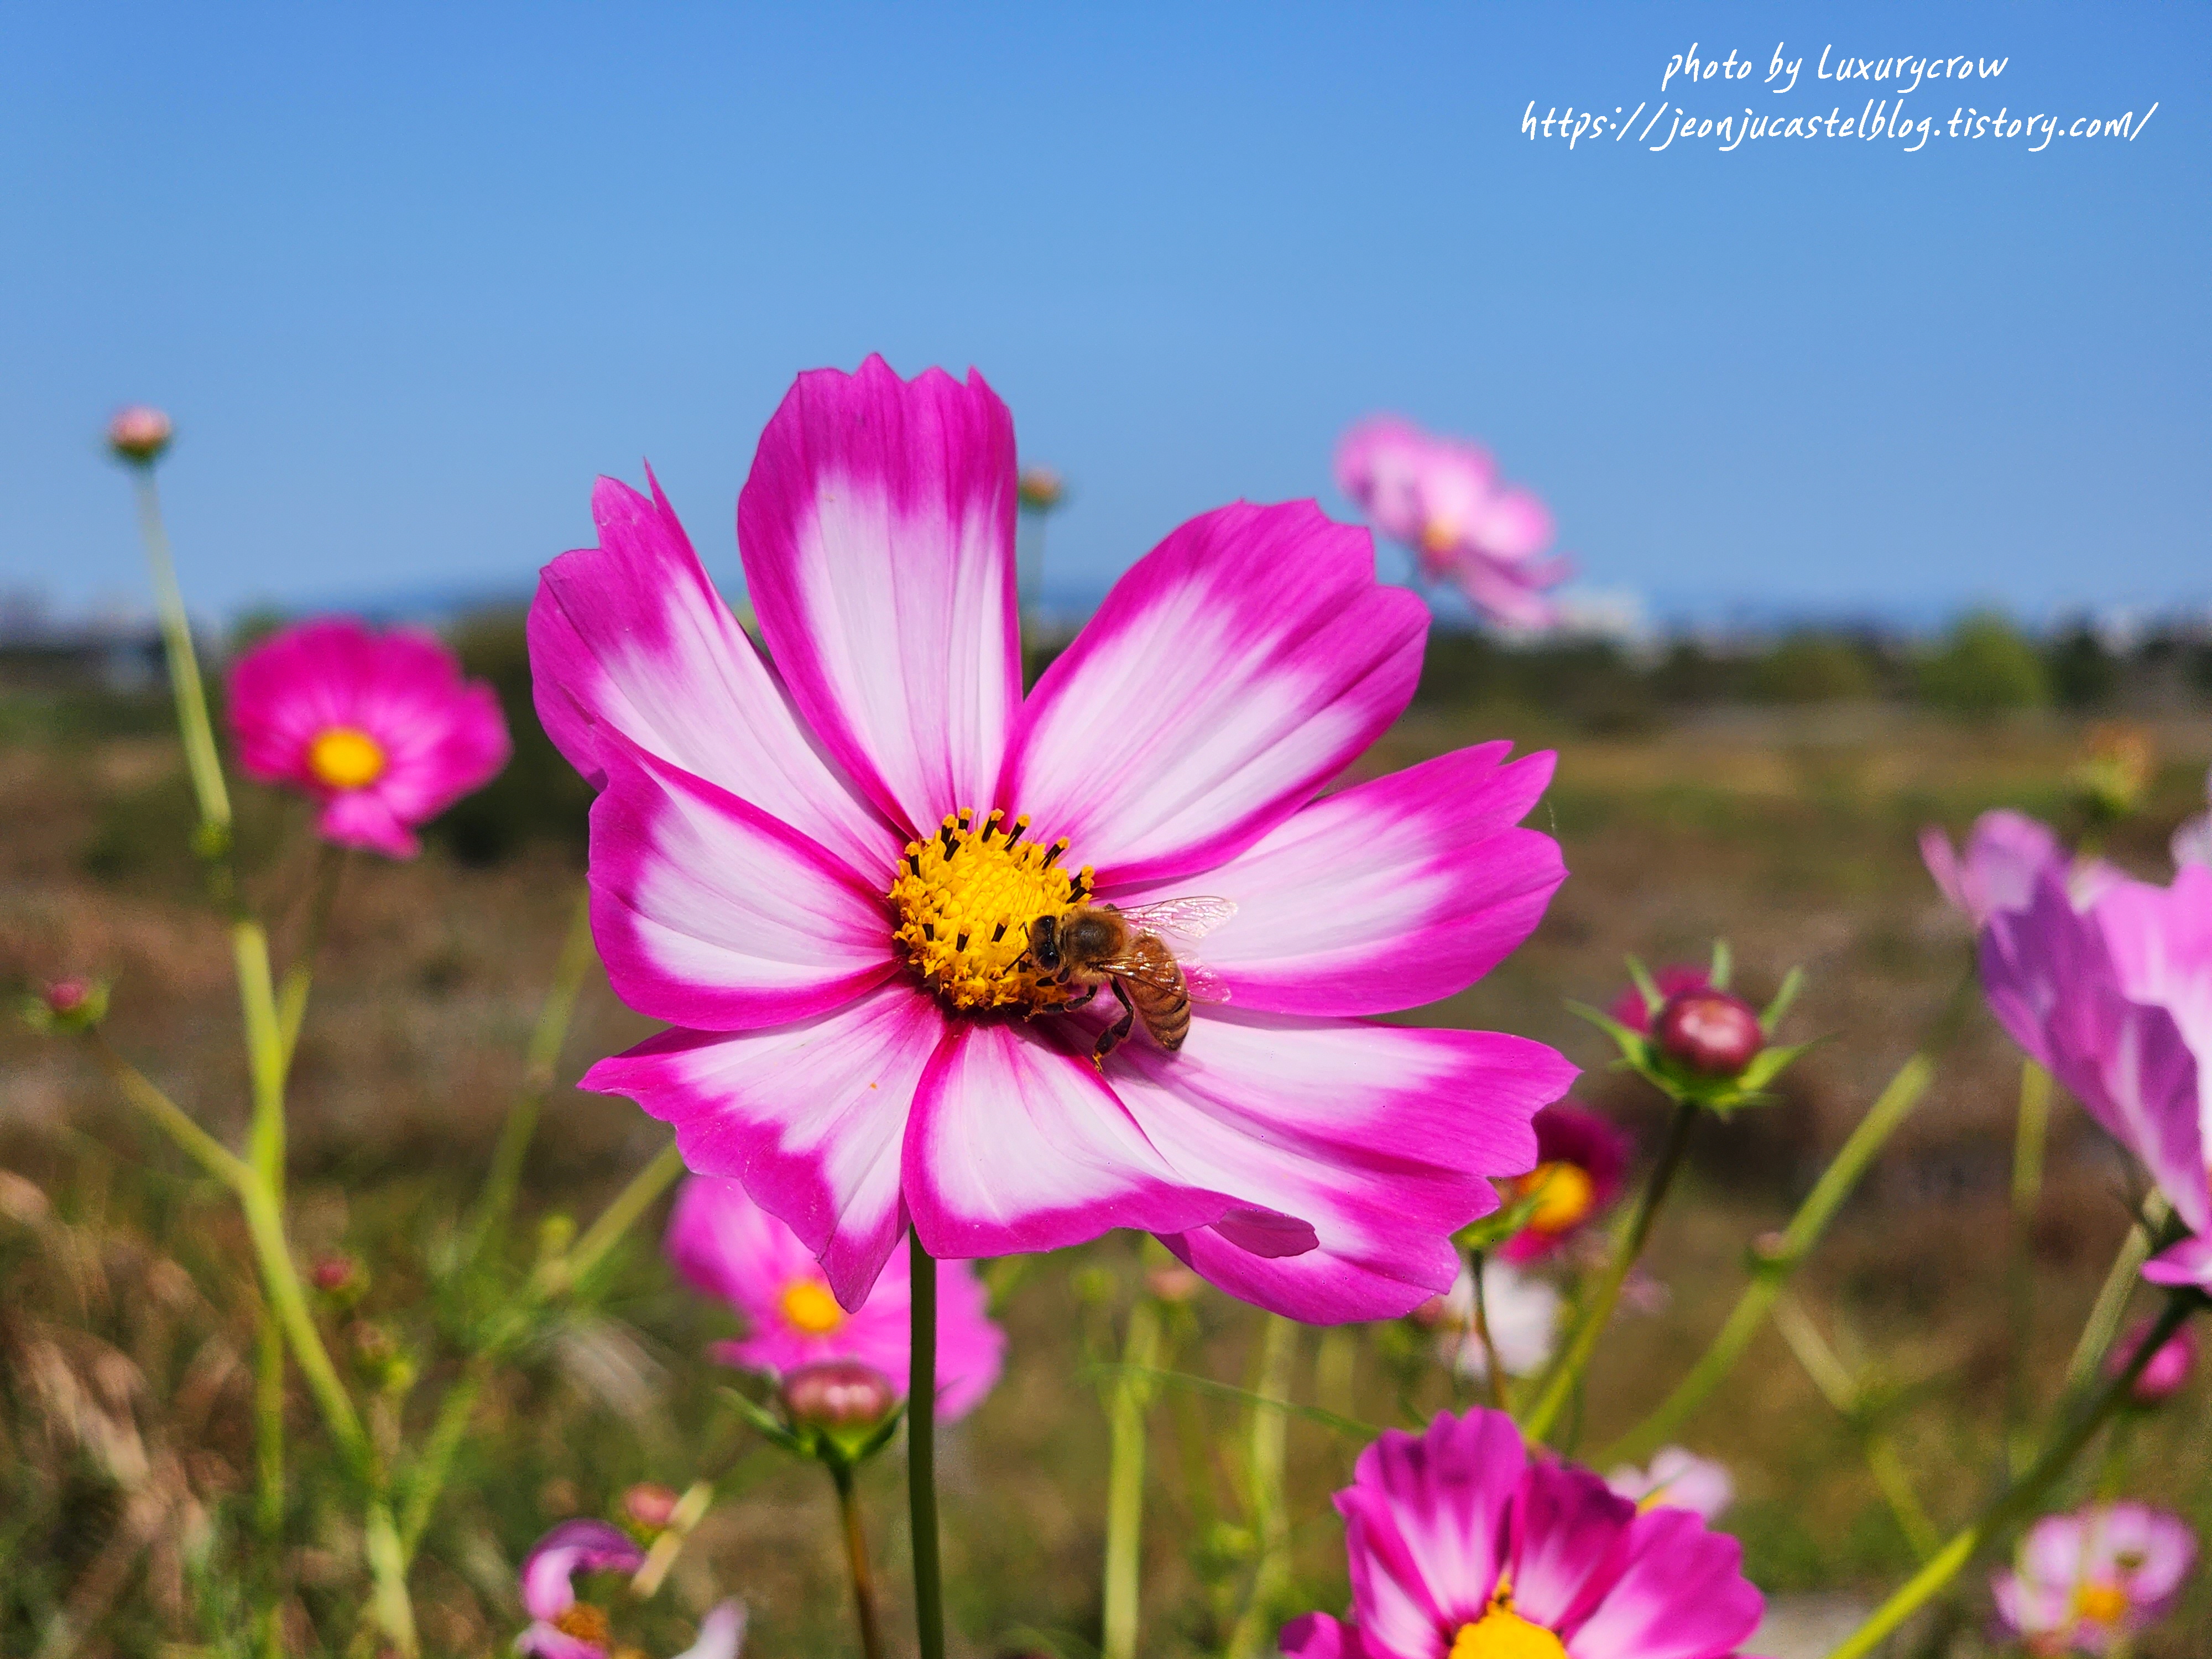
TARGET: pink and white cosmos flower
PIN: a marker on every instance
(2115, 1001)
(379, 729)
(2085, 1583)
(1442, 497)
(823, 876)
(729, 1247)
(1679, 1478)
(562, 1628)
(1462, 1547)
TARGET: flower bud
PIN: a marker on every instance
(1041, 489)
(139, 434)
(1709, 1032)
(2164, 1373)
(836, 1395)
(67, 1006)
(332, 1272)
(650, 1504)
(1177, 1284)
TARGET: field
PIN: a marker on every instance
(126, 1333)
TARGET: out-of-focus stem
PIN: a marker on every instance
(1896, 1483)
(1890, 1109)
(2023, 1495)
(1842, 1390)
(1125, 1479)
(1494, 1372)
(2028, 1140)
(388, 1574)
(2103, 1325)
(504, 1178)
(192, 723)
(210, 1154)
(921, 1452)
(856, 1561)
(1597, 1312)
(330, 862)
(1271, 1517)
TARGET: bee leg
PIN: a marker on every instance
(1113, 1037)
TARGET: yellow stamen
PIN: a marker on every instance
(808, 1304)
(2101, 1604)
(584, 1622)
(965, 901)
(1565, 1194)
(1502, 1633)
(1437, 537)
(346, 758)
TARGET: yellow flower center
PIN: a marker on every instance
(965, 902)
(1564, 1192)
(808, 1304)
(1437, 537)
(584, 1622)
(2101, 1604)
(1502, 1633)
(346, 758)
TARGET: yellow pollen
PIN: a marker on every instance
(346, 758)
(584, 1622)
(1437, 537)
(965, 901)
(808, 1304)
(2101, 1604)
(1502, 1633)
(1564, 1192)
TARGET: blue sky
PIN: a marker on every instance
(409, 276)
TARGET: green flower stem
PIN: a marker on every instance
(2024, 1497)
(1494, 1372)
(921, 1453)
(2103, 1326)
(1597, 1312)
(330, 862)
(136, 1087)
(2028, 1139)
(192, 723)
(1271, 1515)
(504, 1179)
(268, 1476)
(1890, 1109)
(1125, 1477)
(856, 1560)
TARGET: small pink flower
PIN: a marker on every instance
(729, 1247)
(1679, 1479)
(2165, 1372)
(379, 728)
(562, 1628)
(2004, 856)
(1631, 1008)
(2115, 1001)
(1463, 1546)
(1580, 1159)
(826, 877)
(2084, 1583)
(1442, 498)
(139, 434)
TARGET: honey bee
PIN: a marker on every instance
(1133, 950)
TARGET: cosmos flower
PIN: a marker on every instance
(826, 878)
(1631, 1008)
(1442, 497)
(2115, 1002)
(729, 1247)
(562, 1628)
(2004, 854)
(1522, 1313)
(379, 729)
(1462, 1547)
(1581, 1158)
(2085, 1581)
(1679, 1479)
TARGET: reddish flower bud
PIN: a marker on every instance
(138, 435)
(837, 1393)
(65, 1005)
(1709, 1032)
(650, 1504)
(1041, 489)
(66, 996)
(2165, 1372)
(333, 1273)
(1176, 1283)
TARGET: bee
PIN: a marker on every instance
(1134, 951)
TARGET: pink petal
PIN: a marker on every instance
(712, 914)
(1017, 1145)
(1682, 1594)
(1387, 895)
(1508, 593)
(2189, 1262)
(721, 1633)
(809, 1116)
(1427, 1523)
(729, 1247)
(877, 530)
(571, 1548)
(1236, 669)
(359, 818)
(1569, 1531)
(630, 636)
(1382, 1139)
(1318, 1636)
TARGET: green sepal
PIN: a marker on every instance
(1491, 1230)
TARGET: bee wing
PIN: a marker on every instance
(1199, 982)
(1180, 919)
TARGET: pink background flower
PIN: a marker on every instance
(1679, 1478)
(379, 729)
(772, 861)
(2082, 1581)
(1581, 1160)
(1434, 1525)
(2164, 1373)
(729, 1247)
